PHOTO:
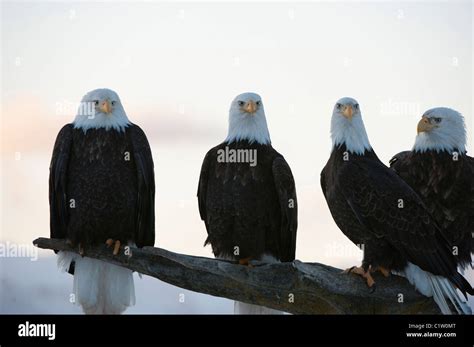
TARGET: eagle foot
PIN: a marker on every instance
(384, 271)
(246, 261)
(359, 270)
(116, 245)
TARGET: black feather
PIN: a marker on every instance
(374, 207)
(109, 176)
(248, 206)
(446, 187)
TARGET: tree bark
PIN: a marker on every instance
(296, 287)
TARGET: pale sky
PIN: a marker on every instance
(177, 66)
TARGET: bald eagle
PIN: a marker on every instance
(246, 193)
(101, 190)
(377, 210)
(441, 172)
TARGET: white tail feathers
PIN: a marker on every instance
(65, 259)
(99, 287)
(438, 287)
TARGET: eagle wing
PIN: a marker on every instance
(285, 187)
(470, 164)
(322, 181)
(398, 159)
(58, 171)
(202, 187)
(447, 192)
(145, 227)
(390, 210)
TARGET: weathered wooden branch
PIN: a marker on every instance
(296, 287)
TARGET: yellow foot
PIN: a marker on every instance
(359, 270)
(117, 247)
(386, 272)
(116, 244)
(245, 261)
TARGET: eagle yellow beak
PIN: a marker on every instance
(250, 107)
(105, 107)
(424, 125)
(347, 112)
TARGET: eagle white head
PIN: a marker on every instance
(247, 120)
(348, 128)
(441, 129)
(101, 108)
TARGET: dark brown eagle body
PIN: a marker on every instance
(445, 182)
(102, 186)
(248, 210)
(365, 197)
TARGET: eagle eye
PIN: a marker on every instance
(113, 103)
(356, 106)
(437, 120)
(96, 102)
(241, 103)
(258, 102)
(338, 106)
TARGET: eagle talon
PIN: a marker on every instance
(359, 270)
(370, 281)
(384, 271)
(245, 261)
(116, 247)
(349, 270)
(109, 242)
